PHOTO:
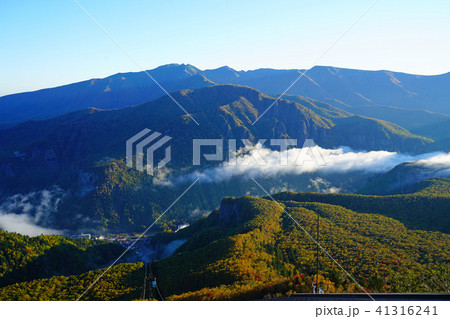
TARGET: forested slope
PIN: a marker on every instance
(24, 258)
(121, 282)
(250, 249)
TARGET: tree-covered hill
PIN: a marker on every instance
(403, 177)
(250, 248)
(436, 187)
(121, 282)
(421, 211)
(24, 258)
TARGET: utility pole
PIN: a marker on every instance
(317, 281)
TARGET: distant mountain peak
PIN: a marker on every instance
(338, 86)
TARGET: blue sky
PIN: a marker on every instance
(48, 43)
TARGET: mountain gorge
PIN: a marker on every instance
(380, 197)
(82, 152)
(251, 249)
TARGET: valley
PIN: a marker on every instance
(378, 205)
(250, 248)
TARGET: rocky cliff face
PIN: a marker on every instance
(229, 213)
(235, 211)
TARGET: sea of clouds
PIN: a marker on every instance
(263, 162)
(31, 213)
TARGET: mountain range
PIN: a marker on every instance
(387, 92)
(83, 151)
(88, 136)
(381, 205)
(116, 91)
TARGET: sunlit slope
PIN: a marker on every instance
(250, 244)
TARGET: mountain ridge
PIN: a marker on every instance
(83, 152)
(337, 86)
(116, 91)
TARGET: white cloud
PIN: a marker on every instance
(197, 212)
(27, 213)
(24, 224)
(322, 186)
(439, 162)
(300, 161)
